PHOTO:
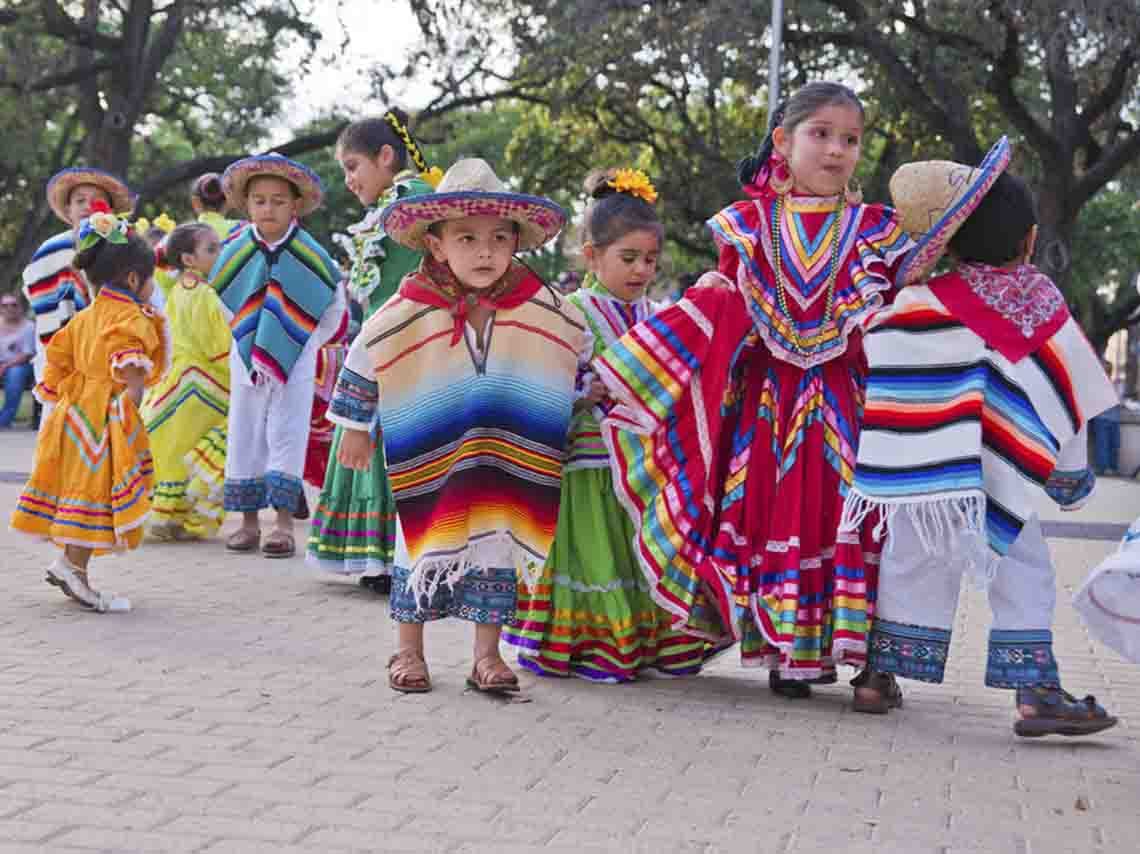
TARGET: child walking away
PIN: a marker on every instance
(354, 523)
(476, 359)
(980, 389)
(282, 293)
(55, 289)
(92, 477)
(738, 420)
(185, 414)
(591, 615)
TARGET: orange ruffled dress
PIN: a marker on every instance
(93, 477)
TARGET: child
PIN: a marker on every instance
(92, 478)
(185, 414)
(55, 289)
(738, 419)
(981, 386)
(591, 614)
(208, 199)
(475, 359)
(354, 524)
(282, 292)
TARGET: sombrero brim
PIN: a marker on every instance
(236, 179)
(62, 183)
(407, 220)
(931, 245)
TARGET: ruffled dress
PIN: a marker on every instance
(185, 414)
(354, 523)
(591, 614)
(735, 435)
(93, 475)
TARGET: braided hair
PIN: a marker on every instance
(369, 136)
(790, 113)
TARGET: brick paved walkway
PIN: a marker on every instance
(242, 707)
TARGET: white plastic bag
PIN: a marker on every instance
(1109, 600)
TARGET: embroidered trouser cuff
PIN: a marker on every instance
(1021, 658)
(914, 652)
(277, 490)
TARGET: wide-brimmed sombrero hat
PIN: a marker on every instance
(934, 197)
(471, 188)
(236, 179)
(59, 189)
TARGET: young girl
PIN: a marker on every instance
(354, 524)
(92, 478)
(185, 413)
(208, 199)
(738, 422)
(591, 614)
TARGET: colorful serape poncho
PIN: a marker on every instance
(609, 318)
(475, 451)
(55, 289)
(275, 297)
(974, 389)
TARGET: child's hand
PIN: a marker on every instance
(597, 391)
(355, 450)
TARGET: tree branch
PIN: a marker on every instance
(61, 25)
(61, 78)
(1112, 160)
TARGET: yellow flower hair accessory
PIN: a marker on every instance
(432, 176)
(635, 183)
(141, 224)
(165, 223)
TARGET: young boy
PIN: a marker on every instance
(475, 358)
(980, 390)
(282, 292)
(54, 288)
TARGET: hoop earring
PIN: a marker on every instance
(780, 179)
(854, 194)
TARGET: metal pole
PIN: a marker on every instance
(774, 56)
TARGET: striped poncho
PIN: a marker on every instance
(475, 451)
(55, 290)
(957, 432)
(274, 296)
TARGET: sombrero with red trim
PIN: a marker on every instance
(236, 179)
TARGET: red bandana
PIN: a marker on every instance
(1014, 311)
(434, 284)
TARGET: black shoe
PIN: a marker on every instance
(793, 689)
(302, 511)
(381, 585)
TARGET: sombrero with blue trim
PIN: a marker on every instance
(934, 197)
(236, 179)
(62, 183)
(471, 188)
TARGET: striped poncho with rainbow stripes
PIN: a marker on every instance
(274, 297)
(957, 434)
(475, 447)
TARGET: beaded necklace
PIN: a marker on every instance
(802, 344)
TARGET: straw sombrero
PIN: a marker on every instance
(62, 183)
(471, 188)
(934, 197)
(237, 177)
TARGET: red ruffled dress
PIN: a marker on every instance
(735, 435)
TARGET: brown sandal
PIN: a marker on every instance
(408, 672)
(492, 675)
(243, 540)
(279, 544)
(886, 688)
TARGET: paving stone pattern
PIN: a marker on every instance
(242, 707)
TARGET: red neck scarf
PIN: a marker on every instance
(1014, 311)
(434, 284)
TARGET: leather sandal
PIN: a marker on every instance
(408, 672)
(492, 675)
(279, 544)
(1057, 712)
(888, 694)
(243, 540)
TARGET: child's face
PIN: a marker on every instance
(367, 177)
(823, 150)
(627, 266)
(142, 288)
(272, 204)
(80, 201)
(205, 253)
(477, 248)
